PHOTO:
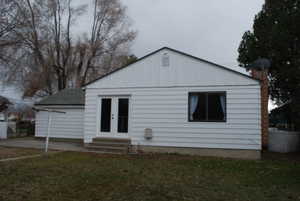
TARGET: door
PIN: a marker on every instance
(114, 116)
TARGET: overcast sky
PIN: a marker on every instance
(210, 29)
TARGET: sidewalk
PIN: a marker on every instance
(30, 142)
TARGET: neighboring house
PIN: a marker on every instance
(21, 112)
(167, 101)
(281, 117)
(16, 112)
(63, 125)
(4, 104)
(19, 108)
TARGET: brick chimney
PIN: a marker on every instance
(262, 75)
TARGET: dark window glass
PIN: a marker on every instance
(123, 115)
(198, 104)
(214, 107)
(105, 115)
(207, 106)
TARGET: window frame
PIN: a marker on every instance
(206, 108)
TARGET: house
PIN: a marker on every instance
(4, 103)
(167, 101)
(281, 117)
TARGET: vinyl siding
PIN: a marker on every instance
(68, 125)
(183, 71)
(159, 100)
(165, 110)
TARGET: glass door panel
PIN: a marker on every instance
(123, 110)
(105, 115)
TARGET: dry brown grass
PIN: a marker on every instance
(72, 176)
(9, 152)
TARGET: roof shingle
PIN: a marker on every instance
(65, 97)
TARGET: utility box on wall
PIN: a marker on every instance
(148, 134)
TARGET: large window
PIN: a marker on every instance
(207, 107)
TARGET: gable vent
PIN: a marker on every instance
(165, 62)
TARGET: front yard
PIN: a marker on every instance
(91, 177)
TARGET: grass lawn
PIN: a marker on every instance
(9, 152)
(91, 177)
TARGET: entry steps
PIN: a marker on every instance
(109, 145)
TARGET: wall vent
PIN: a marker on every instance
(165, 62)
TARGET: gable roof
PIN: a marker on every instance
(65, 97)
(179, 52)
(4, 102)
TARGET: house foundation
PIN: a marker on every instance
(224, 153)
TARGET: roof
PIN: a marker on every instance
(65, 97)
(4, 102)
(282, 107)
(179, 52)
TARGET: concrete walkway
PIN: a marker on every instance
(29, 156)
(40, 144)
(20, 158)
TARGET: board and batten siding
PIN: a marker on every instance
(159, 100)
(68, 125)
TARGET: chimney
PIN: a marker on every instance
(262, 75)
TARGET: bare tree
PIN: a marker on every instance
(8, 19)
(109, 36)
(46, 57)
(26, 60)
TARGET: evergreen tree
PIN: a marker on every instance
(276, 36)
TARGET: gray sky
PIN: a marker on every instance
(211, 30)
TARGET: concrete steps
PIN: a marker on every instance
(109, 145)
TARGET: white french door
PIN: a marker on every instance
(113, 116)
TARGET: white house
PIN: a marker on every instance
(169, 101)
(4, 103)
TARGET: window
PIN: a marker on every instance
(207, 107)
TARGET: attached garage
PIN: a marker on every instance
(67, 125)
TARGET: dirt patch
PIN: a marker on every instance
(292, 157)
(8, 152)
